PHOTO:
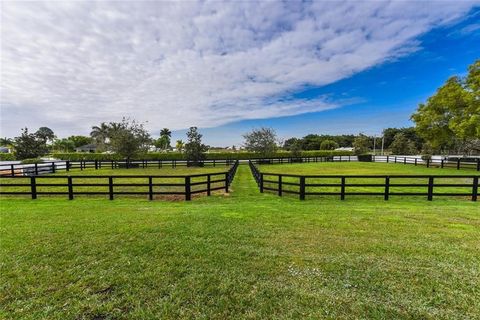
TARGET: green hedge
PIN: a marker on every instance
(7, 157)
(181, 156)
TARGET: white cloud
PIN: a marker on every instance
(70, 65)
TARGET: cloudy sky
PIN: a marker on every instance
(300, 67)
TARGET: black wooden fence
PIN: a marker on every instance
(302, 184)
(148, 185)
(56, 166)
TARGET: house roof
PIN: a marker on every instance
(87, 147)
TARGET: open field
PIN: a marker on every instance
(368, 168)
(244, 256)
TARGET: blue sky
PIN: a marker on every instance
(228, 67)
(389, 93)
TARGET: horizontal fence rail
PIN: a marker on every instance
(56, 166)
(111, 185)
(310, 185)
(437, 163)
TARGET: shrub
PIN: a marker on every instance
(365, 157)
(328, 145)
(7, 157)
(32, 161)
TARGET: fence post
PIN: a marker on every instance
(387, 158)
(387, 188)
(261, 182)
(33, 186)
(110, 187)
(416, 162)
(226, 182)
(208, 185)
(428, 163)
(81, 165)
(36, 169)
(302, 188)
(188, 195)
(342, 190)
(214, 162)
(430, 188)
(70, 188)
(458, 164)
(441, 164)
(404, 160)
(478, 164)
(475, 189)
(53, 167)
(67, 165)
(12, 168)
(150, 188)
(395, 159)
(280, 185)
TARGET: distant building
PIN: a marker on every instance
(5, 150)
(87, 148)
(344, 149)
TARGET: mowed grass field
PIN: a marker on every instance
(244, 255)
(368, 168)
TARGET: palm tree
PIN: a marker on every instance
(165, 132)
(179, 145)
(100, 134)
(165, 135)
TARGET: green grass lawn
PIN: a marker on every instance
(244, 255)
(367, 168)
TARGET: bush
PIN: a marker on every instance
(365, 157)
(209, 156)
(328, 145)
(32, 161)
(7, 157)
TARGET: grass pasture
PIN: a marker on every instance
(243, 256)
(368, 168)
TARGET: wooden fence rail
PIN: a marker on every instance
(439, 163)
(303, 186)
(188, 185)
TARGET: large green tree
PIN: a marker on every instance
(194, 148)
(401, 145)
(361, 144)
(262, 141)
(29, 145)
(450, 119)
(46, 134)
(130, 139)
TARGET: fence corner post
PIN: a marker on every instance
(342, 189)
(261, 182)
(226, 182)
